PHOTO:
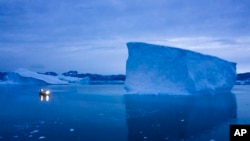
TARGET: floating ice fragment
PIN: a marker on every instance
(182, 120)
(166, 138)
(41, 137)
(34, 131)
(145, 137)
(71, 130)
(212, 140)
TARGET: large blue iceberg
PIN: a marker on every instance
(155, 69)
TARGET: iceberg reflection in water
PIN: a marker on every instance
(176, 117)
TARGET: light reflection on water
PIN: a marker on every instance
(111, 116)
(69, 114)
(44, 97)
(175, 118)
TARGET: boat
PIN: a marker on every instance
(44, 94)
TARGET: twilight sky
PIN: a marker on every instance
(91, 35)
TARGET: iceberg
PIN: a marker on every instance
(76, 80)
(24, 76)
(156, 69)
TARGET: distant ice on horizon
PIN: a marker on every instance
(25, 76)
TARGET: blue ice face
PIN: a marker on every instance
(155, 69)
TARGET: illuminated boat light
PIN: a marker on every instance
(44, 95)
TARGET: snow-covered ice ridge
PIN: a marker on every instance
(156, 69)
(24, 76)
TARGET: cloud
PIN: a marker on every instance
(75, 32)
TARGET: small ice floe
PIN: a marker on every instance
(71, 130)
(42, 122)
(145, 137)
(212, 140)
(34, 131)
(15, 136)
(41, 137)
(182, 120)
(30, 136)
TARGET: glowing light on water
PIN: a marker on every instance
(44, 95)
(47, 98)
(41, 98)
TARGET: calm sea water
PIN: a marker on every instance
(104, 113)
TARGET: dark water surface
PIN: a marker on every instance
(70, 114)
(104, 113)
